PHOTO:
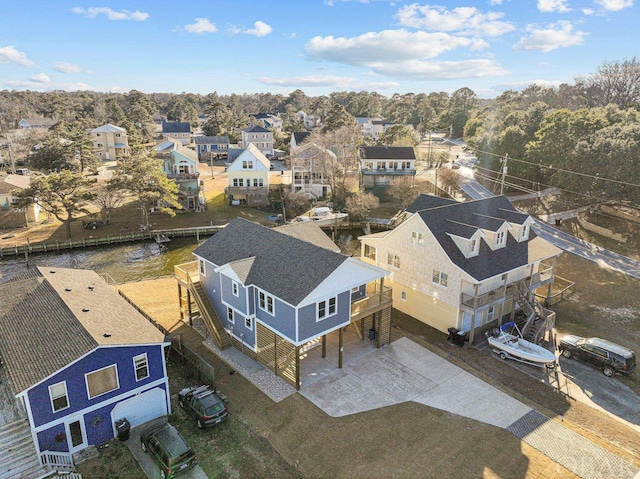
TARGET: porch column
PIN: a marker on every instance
(298, 368)
(504, 298)
(180, 300)
(340, 344)
(378, 327)
(473, 316)
(554, 261)
(189, 305)
(324, 345)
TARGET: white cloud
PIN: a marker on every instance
(556, 35)
(40, 78)
(385, 46)
(451, 70)
(93, 12)
(614, 5)
(66, 67)
(260, 29)
(330, 81)
(465, 20)
(548, 6)
(40, 86)
(10, 54)
(588, 11)
(495, 2)
(201, 26)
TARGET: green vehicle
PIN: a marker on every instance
(169, 450)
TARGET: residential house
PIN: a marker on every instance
(78, 358)
(40, 123)
(212, 147)
(9, 185)
(297, 137)
(248, 176)
(260, 137)
(269, 121)
(309, 170)
(181, 165)
(380, 165)
(466, 265)
(177, 130)
(309, 121)
(272, 293)
(110, 142)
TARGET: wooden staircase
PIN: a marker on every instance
(19, 455)
(209, 316)
(537, 318)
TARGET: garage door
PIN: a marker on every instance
(141, 408)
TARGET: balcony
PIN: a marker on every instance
(389, 171)
(183, 176)
(375, 300)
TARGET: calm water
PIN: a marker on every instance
(128, 262)
(134, 261)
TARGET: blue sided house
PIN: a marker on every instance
(78, 358)
(271, 291)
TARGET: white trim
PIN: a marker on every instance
(327, 309)
(66, 394)
(146, 363)
(79, 418)
(266, 303)
(116, 399)
(232, 320)
(251, 320)
(235, 286)
(86, 382)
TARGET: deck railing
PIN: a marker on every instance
(58, 461)
(373, 302)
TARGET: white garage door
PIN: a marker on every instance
(141, 408)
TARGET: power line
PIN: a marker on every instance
(595, 177)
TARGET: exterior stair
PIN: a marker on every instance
(19, 455)
(209, 316)
(536, 315)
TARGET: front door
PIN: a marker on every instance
(76, 435)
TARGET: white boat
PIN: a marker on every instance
(323, 216)
(510, 346)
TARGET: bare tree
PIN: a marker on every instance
(403, 190)
(108, 196)
(614, 82)
(360, 203)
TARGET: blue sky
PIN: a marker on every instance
(318, 46)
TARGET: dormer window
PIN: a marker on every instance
(525, 232)
(474, 246)
(500, 238)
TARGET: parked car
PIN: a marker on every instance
(204, 404)
(169, 450)
(610, 357)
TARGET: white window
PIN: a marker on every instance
(99, 145)
(247, 164)
(202, 270)
(474, 245)
(417, 238)
(102, 381)
(500, 239)
(230, 315)
(248, 323)
(370, 252)
(265, 302)
(403, 295)
(327, 308)
(355, 289)
(59, 397)
(440, 278)
(117, 135)
(525, 231)
(234, 288)
(260, 182)
(141, 366)
(255, 182)
(393, 260)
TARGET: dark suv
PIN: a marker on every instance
(169, 450)
(610, 357)
(204, 404)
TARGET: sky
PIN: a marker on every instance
(317, 46)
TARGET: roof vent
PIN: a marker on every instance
(85, 310)
(67, 289)
(107, 335)
(90, 288)
(52, 272)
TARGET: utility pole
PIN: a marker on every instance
(504, 172)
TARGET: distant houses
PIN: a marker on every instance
(379, 165)
(212, 147)
(110, 142)
(177, 130)
(181, 165)
(9, 186)
(248, 176)
(36, 123)
(260, 137)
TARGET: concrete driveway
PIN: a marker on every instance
(146, 462)
(405, 371)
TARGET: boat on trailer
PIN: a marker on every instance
(512, 346)
(323, 216)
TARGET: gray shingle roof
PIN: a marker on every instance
(300, 136)
(284, 266)
(487, 213)
(176, 127)
(256, 129)
(387, 153)
(211, 140)
(43, 316)
(424, 202)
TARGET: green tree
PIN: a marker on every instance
(65, 195)
(143, 178)
(399, 135)
(338, 118)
